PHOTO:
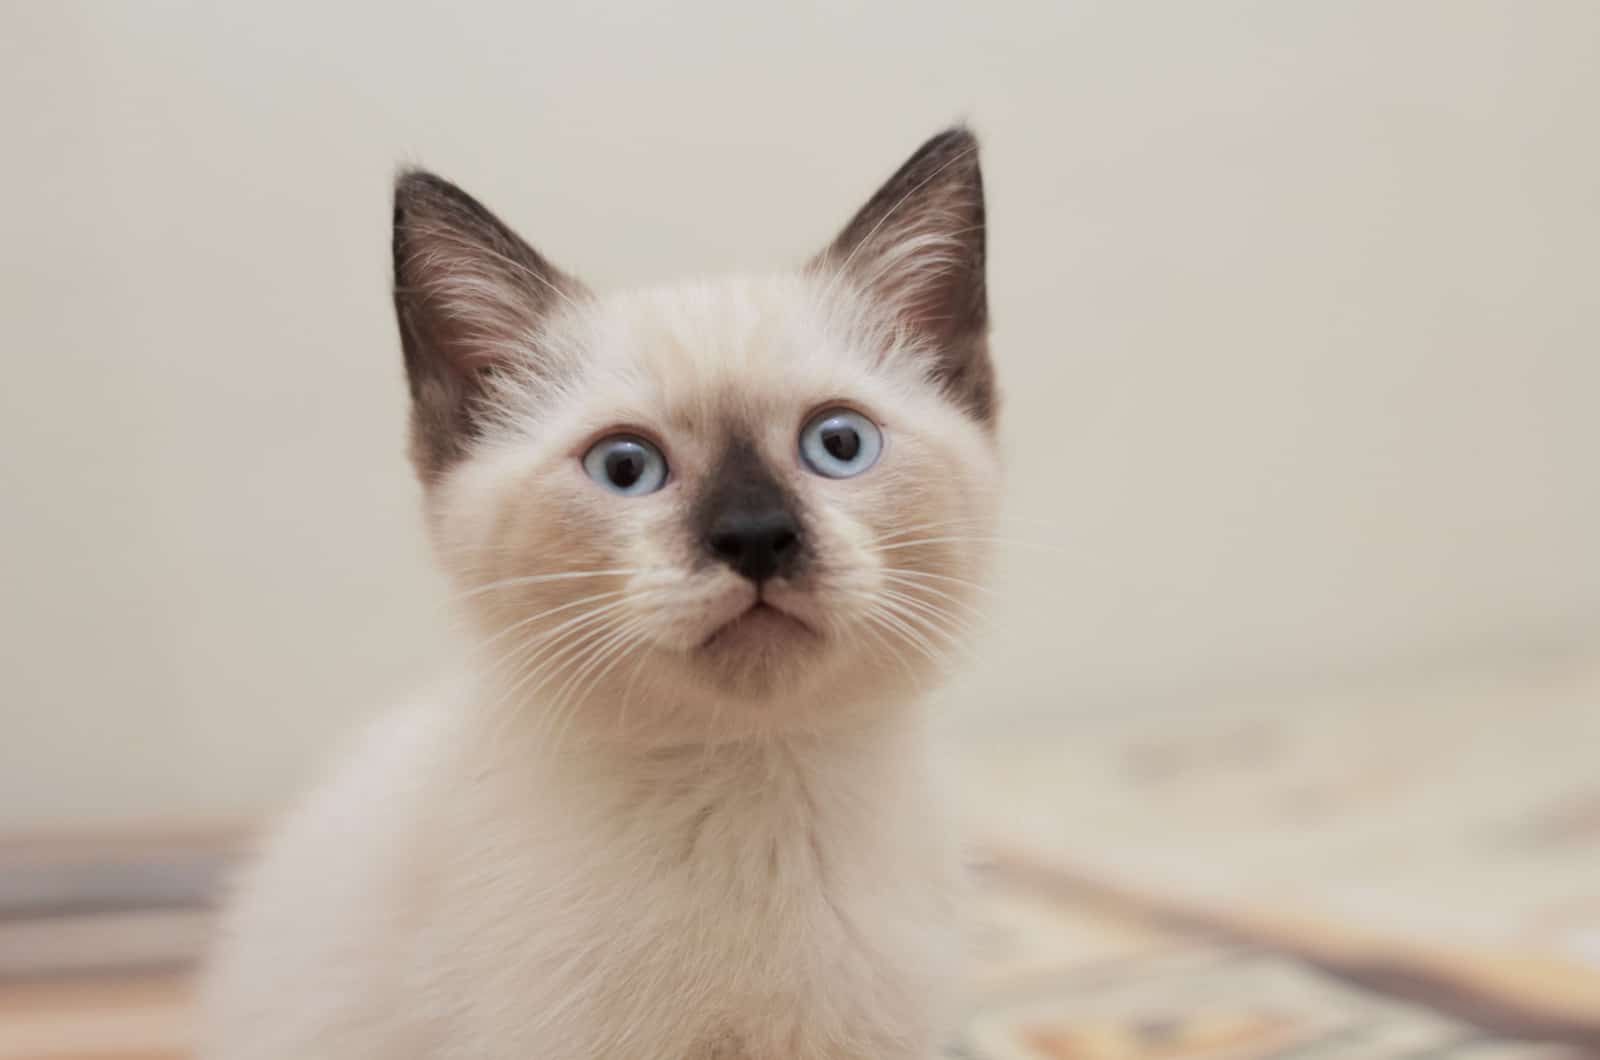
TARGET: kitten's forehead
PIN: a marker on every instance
(731, 352)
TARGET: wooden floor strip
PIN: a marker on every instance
(1522, 996)
(131, 1018)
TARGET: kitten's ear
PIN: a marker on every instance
(917, 249)
(470, 296)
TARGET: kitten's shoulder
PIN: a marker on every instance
(384, 760)
(318, 887)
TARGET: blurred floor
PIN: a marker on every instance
(1396, 873)
(133, 1016)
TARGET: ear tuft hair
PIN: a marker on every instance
(917, 249)
(471, 298)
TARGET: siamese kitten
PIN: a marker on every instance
(715, 538)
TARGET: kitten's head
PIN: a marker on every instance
(713, 508)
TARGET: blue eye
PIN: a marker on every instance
(627, 465)
(840, 443)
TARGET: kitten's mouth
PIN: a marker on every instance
(762, 620)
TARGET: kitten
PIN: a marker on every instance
(715, 538)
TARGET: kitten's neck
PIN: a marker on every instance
(874, 744)
(856, 779)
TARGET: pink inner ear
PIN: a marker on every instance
(470, 295)
(917, 246)
(478, 308)
(917, 249)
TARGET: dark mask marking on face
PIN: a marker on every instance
(747, 520)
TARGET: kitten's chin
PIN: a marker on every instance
(761, 648)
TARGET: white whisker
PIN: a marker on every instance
(936, 619)
(910, 634)
(568, 699)
(968, 583)
(540, 640)
(874, 628)
(965, 539)
(525, 622)
(539, 579)
(915, 586)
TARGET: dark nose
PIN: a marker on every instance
(759, 545)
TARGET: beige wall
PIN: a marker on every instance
(1297, 305)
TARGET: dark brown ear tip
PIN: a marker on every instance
(418, 191)
(410, 184)
(413, 189)
(424, 198)
(954, 139)
(955, 149)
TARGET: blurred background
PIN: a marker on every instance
(1297, 308)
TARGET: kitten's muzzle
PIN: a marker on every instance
(745, 518)
(758, 544)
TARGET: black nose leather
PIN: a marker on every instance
(759, 545)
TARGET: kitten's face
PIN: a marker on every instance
(701, 511)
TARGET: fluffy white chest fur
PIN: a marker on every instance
(712, 540)
(451, 896)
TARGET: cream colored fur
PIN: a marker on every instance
(611, 838)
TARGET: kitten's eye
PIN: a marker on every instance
(840, 443)
(627, 465)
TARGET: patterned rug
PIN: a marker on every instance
(1397, 872)
(1388, 874)
(1074, 976)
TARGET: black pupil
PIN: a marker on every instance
(841, 440)
(624, 466)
